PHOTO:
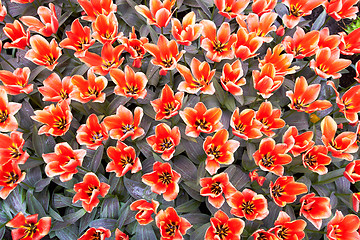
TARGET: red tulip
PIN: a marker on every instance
(135, 47)
(224, 228)
(11, 148)
(8, 122)
(92, 134)
(119, 235)
(94, 8)
(95, 233)
(352, 171)
(231, 79)
(214, 188)
(188, 32)
(298, 143)
(255, 176)
(263, 6)
(271, 157)
(342, 9)
(247, 44)
(248, 204)
(105, 28)
(316, 158)
(261, 234)
(55, 89)
(342, 228)
(29, 227)
(287, 229)
(63, 161)
(244, 125)
(315, 209)
(88, 191)
(123, 159)
(163, 180)
(159, 13)
(269, 118)
(16, 82)
(285, 189)
(266, 81)
(145, 209)
(10, 177)
(19, 38)
(200, 119)
(327, 40)
(231, 8)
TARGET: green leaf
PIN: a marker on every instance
(145, 232)
(185, 167)
(330, 176)
(189, 206)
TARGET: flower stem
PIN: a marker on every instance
(8, 62)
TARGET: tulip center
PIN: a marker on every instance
(282, 233)
(3, 115)
(127, 128)
(310, 160)
(262, 236)
(202, 123)
(216, 188)
(92, 91)
(323, 68)
(222, 231)
(347, 104)
(63, 94)
(126, 160)
(91, 188)
(108, 64)
(248, 207)
(81, 42)
(227, 9)
(334, 145)
(267, 160)
(171, 228)
(107, 35)
(138, 49)
(95, 136)
(12, 178)
(296, 11)
(299, 50)
(214, 151)
(240, 127)
(30, 230)
(50, 59)
(165, 178)
(168, 108)
(168, 62)
(277, 191)
(60, 123)
(96, 236)
(299, 104)
(131, 89)
(219, 47)
(166, 144)
(15, 153)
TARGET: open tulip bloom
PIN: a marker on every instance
(179, 120)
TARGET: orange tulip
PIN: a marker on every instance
(78, 39)
(231, 79)
(145, 209)
(298, 9)
(94, 8)
(63, 161)
(159, 13)
(352, 171)
(200, 119)
(247, 44)
(3, 12)
(87, 90)
(49, 22)
(315, 209)
(302, 45)
(8, 122)
(89, 190)
(327, 40)
(224, 228)
(109, 59)
(328, 63)
(129, 84)
(248, 204)
(260, 7)
(266, 81)
(356, 201)
(135, 47)
(92, 134)
(281, 61)
(168, 104)
(350, 43)
(231, 8)
(261, 26)
(287, 229)
(11, 148)
(10, 177)
(297, 143)
(316, 158)
(119, 235)
(269, 118)
(123, 159)
(188, 32)
(357, 69)
(172, 227)
(340, 146)
(271, 157)
(219, 150)
(163, 180)
(19, 38)
(303, 97)
(202, 81)
(341, 9)
(244, 125)
(262, 234)
(105, 28)
(285, 189)
(349, 103)
(341, 227)
(254, 176)
(57, 119)
(165, 53)
(218, 45)
(16, 82)
(96, 233)
(214, 187)
(55, 89)
(124, 124)
(165, 140)
(43, 53)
